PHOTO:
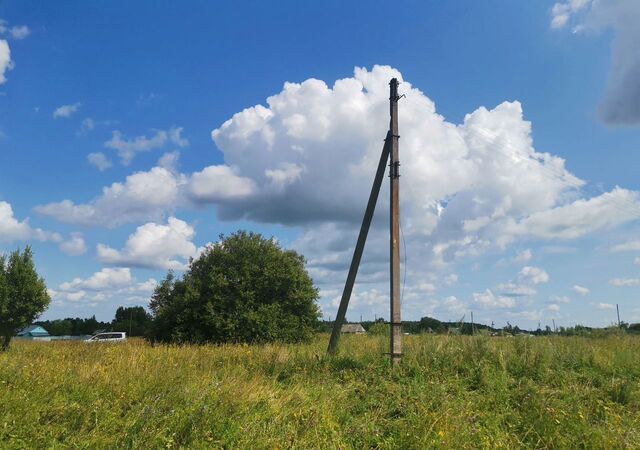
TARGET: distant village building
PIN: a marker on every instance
(35, 332)
(353, 328)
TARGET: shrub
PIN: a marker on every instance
(245, 288)
(379, 329)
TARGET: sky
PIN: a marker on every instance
(133, 134)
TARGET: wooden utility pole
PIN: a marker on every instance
(394, 175)
(389, 150)
(618, 311)
(472, 325)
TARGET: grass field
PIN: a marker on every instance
(450, 392)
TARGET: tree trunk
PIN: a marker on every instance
(6, 339)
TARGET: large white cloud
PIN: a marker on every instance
(154, 246)
(621, 104)
(307, 159)
(465, 188)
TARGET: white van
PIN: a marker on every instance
(113, 336)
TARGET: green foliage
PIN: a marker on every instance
(243, 289)
(450, 392)
(73, 326)
(134, 320)
(23, 294)
(634, 328)
(379, 329)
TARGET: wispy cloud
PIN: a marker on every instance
(66, 111)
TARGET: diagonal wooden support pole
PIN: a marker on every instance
(357, 253)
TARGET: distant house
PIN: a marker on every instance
(34, 332)
(353, 328)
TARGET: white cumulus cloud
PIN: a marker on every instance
(107, 278)
(488, 299)
(143, 196)
(553, 307)
(5, 60)
(580, 290)
(12, 229)
(219, 183)
(106, 284)
(306, 159)
(154, 246)
(75, 245)
(534, 275)
(523, 257)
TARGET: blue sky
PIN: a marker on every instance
(130, 93)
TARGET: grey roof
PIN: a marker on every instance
(352, 328)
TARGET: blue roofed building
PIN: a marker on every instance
(34, 332)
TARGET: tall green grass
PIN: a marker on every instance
(450, 392)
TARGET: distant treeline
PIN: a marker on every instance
(133, 320)
(427, 325)
(431, 325)
(136, 321)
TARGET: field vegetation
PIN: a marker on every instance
(455, 392)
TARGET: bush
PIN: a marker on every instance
(379, 329)
(23, 294)
(245, 288)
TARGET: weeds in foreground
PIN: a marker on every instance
(450, 392)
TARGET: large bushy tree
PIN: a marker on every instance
(245, 288)
(23, 294)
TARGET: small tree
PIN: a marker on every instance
(23, 294)
(243, 289)
(134, 320)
